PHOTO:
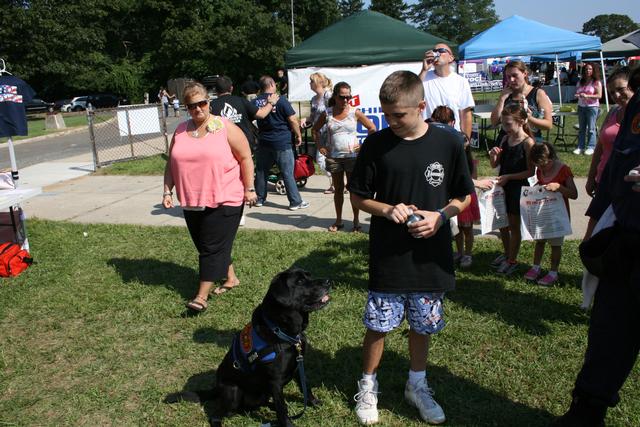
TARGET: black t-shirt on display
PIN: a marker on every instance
(14, 94)
(426, 172)
(239, 111)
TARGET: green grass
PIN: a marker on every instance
(153, 165)
(36, 127)
(93, 333)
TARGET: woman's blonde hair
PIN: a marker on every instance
(193, 88)
(321, 79)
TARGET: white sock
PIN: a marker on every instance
(416, 377)
(536, 267)
(370, 377)
(553, 273)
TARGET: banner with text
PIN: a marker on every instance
(365, 85)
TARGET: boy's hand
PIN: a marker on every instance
(485, 184)
(427, 227)
(399, 213)
(553, 186)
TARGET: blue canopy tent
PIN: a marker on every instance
(520, 36)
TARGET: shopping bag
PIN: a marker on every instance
(543, 214)
(493, 210)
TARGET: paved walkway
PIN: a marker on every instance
(70, 193)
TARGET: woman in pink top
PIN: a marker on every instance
(618, 86)
(588, 92)
(211, 167)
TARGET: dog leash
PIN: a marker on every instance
(297, 343)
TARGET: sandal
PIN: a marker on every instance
(329, 190)
(335, 227)
(198, 304)
(225, 288)
(356, 229)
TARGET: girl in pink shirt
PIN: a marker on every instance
(588, 92)
(618, 86)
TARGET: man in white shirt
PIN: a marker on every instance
(442, 86)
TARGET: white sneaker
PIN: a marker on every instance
(302, 205)
(242, 220)
(367, 402)
(577, 151)
(421, 396)
(588, 152)
(466, 261)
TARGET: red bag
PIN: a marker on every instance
(13, 259)
(304, 167)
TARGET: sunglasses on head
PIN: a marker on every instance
(345, 97)
(200, 104)
(441, 50)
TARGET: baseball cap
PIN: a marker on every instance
(633, 38)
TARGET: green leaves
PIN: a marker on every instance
(609, 27)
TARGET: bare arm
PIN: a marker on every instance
(466, 121)
(569, 190)
(544, 102)
(497, 110)
(294, 125)
(368, 124)
(167, 199)
(427, 62)
(241, 151)
(268, 107)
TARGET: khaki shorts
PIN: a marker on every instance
(340, 164)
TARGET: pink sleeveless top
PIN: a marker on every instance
(204, 170)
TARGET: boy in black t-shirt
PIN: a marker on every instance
(410, 167)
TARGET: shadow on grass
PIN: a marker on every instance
(157, 273)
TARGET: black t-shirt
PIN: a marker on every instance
(426, 172)
(14, 94)
(239, 111)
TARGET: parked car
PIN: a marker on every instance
(79, 103)
(105, 100)
(37, 105)
(57, 105)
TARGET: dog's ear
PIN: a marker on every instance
(280, 288)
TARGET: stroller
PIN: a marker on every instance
(302, 169)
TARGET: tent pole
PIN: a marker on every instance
(604, 81)
(559, 80)
(293, 36)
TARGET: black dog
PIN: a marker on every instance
(265, 355)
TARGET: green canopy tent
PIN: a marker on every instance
(363, 38)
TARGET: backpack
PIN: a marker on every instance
(303, 167)
(13, 259)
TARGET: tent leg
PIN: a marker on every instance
(559, 81)
(604, 81)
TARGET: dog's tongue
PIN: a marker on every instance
(325, 298)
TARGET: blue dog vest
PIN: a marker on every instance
(249, 348)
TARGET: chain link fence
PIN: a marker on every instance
(126, 133)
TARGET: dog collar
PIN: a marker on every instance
(297, 341)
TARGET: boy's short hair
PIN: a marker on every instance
(402, 87)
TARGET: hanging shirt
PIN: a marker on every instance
(14, 94)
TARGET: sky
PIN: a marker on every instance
(567, 14)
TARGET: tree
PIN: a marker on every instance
(394, 8)
(454, 20)
(349, 7)
(609, 27)
(310, 16)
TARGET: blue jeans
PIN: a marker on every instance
(265, 158)
(587, 120)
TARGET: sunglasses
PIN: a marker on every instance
(441, 50)
(345, 97)
(200, 104)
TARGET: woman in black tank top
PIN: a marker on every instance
(535, 101)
